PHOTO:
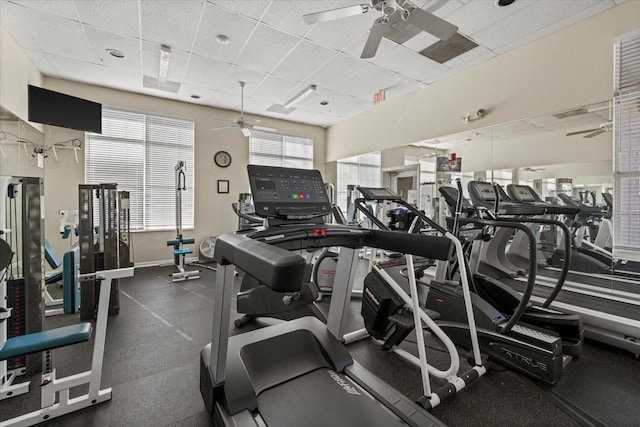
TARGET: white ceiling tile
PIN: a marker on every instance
(306, 58)
(225, 100)
(115, 16)
(186, 90)
(54, 35)
(266, 48)
(558, 25)
(446, 8)
(15, 19)
(229, 83)
(287, 15)
(119, 79)
(62, 8)
(539, 15)
(334, 71)
(100, 41)
(201, 71)
(174, 24)
(420, 41)
(74, 69)
(337, 34)
(479, 14)
(423, 70)
(250, 8)
(254, 106)
(41, 62)
(397, 58)
(274, 89)
(368, 81)
(216, 21)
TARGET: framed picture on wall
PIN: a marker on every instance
(223, 186)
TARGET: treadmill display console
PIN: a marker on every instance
(486, 191)
(370, 193)
(523, 194)
(288, 193)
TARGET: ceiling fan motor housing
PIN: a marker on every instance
(389, 7)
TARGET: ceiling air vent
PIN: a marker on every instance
(446, 50)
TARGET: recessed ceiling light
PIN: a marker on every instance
(324, 102)
(116, 53)
(195, 96)
(222, 39)
(503, 3)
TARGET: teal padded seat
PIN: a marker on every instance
(182, 251)
(45, 340)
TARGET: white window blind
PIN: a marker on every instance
(363, 170)
(274, 149)
(139, 151)
(626, 137)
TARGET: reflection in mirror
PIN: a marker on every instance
(17, 142)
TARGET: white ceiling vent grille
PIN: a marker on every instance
(626, 137)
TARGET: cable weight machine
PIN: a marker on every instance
(179, 252)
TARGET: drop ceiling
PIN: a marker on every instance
(270, 47)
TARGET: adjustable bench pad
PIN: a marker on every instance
(45, 340)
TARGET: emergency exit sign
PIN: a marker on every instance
(378, 96)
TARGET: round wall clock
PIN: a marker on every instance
(222, 159)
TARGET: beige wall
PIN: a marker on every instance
(213, 214)
(572, 67)
(16, 72)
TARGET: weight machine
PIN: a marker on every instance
(179, 252)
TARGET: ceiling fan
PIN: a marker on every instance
(245, 125)
(394, 11)
(604, 127)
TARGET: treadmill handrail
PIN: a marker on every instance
(277, 268)
(328, 235)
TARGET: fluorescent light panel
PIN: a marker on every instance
(299, 97)
(163, 72)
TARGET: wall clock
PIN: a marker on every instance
(222, 159)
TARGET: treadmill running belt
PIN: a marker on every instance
(322, 398)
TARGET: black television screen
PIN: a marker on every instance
(58, 109)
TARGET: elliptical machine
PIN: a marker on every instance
(526, 348)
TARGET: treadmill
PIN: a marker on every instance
(608, 305)
(298, 373)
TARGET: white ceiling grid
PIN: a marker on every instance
(270, 47)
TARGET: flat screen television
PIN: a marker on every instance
(58, 109)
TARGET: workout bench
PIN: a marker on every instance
(55, 399)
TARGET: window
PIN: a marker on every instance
(626, 140)
(363, 170)
(139, 152)
(274, 149)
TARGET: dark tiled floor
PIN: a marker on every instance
(152, 364)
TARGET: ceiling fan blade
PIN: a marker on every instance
(582, 131)
(329, 15)
(245, 131)
(378, 30)
(224, 127)
(596, 133)
(431, 24)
